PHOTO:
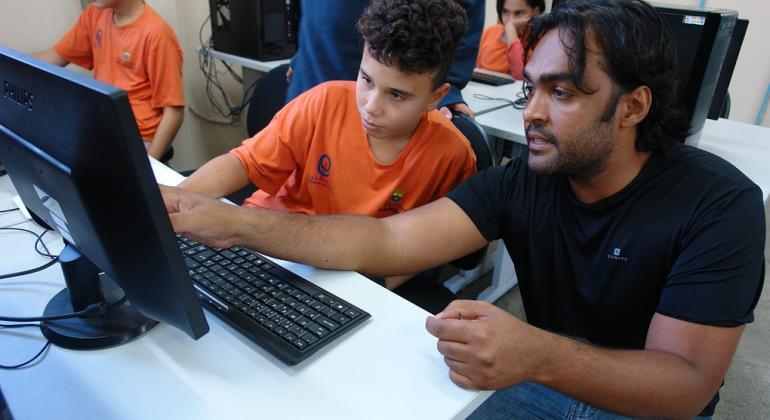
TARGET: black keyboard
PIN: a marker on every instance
(283, 313)
(491, 79)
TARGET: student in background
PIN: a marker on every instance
(330, 48)
(376, 146)
(127, 44)
(500, 48)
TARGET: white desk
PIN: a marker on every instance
(248, 63)
(505, 123)
(386, 368)
(474, 92)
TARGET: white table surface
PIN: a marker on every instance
(386, 368)
(249, 63)
(481, 106)
(747, 146)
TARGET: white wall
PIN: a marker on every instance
(752, 71)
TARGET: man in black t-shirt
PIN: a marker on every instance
(639, 259)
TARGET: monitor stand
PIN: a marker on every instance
(119, 324)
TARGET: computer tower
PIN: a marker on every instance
(264, 30)
(702, 38)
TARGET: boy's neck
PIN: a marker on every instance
(386, 151)
(127, 11)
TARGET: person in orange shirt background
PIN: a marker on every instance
(500, 48)
(127, 44)
(374, 147)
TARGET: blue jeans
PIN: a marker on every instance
(534, 401)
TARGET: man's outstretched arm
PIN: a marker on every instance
(405, 243)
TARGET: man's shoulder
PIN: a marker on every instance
(698, 165)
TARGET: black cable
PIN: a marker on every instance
(39, 240)
(519, 103)
(54, 258)
(35, 357)
(214, 88)
(9, 210)
(94, 309)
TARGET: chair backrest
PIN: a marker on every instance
(477, 137)
(267, 98)
(485, 158)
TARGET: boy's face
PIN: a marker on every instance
(391, 102)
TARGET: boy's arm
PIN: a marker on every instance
(51, 57)
(218, 177)
(167, 129)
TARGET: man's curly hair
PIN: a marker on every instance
(418, 36)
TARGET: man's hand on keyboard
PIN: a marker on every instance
(199, 217)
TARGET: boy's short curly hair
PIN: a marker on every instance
(417, 36)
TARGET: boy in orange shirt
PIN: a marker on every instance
(500, 48)
(376, 146)
(128, 45)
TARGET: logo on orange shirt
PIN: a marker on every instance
(324, 165)
(397, 194)
(393, 206)
(126, 55)
(99, 37)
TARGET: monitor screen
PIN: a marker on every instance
(73, 152)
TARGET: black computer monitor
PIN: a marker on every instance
(702, 37)
(720, 103)
(74, 154)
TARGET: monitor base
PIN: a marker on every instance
(119, 325)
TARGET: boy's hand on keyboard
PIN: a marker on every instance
(199, 217)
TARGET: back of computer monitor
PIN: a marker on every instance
(73, 151)
(720, 103)
(702, 37)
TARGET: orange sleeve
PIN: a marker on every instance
(515, 54)
(164, 69)
(273, 154)
(464, 170)
(75, 45)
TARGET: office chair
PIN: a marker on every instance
(485, 158)
(267, 98)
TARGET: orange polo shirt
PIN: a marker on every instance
(496, 56)
(143, 58)
(314, 158)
